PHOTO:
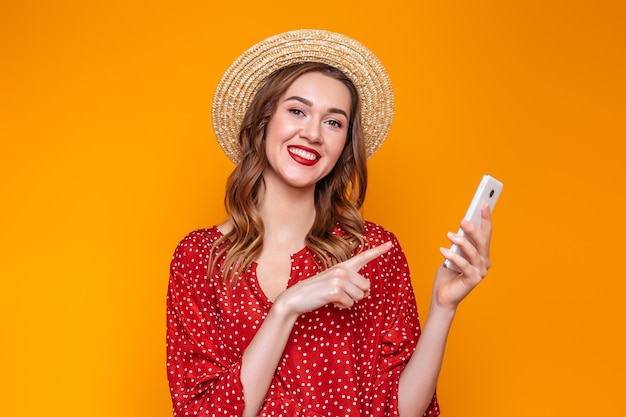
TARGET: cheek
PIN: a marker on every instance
(272, 135)
(339, 146)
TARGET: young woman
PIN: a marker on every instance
(296, 306)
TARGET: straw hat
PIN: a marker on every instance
(243, 78)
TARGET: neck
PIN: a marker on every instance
(288, 214)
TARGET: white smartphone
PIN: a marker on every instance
(488, 191)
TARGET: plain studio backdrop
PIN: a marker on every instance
(109, 159)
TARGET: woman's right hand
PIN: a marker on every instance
(340, 285)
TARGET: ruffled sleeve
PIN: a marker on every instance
(400, 332)
(202, 376)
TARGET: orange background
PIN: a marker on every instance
(108, 159)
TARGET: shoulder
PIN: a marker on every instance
(391, 270)
(376, 235)
(198, 241)
(191, 257)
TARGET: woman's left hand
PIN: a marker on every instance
(452, 287)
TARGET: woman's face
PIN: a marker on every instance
(307, 132)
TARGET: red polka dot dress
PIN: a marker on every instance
(336, 363)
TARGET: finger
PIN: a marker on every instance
(459, 261)
(342, 306)
(345, 277)
(350, 296)
(357, 292)
(343, 300)
(481, 235)
(468, 259)
(465, 244)
(359, 261)
(471, 254)
(485, 219)
(462, 265)
(486, 227)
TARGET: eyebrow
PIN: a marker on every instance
(309, 103)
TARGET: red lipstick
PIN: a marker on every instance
(303, 155)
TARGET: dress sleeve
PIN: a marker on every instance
(203, 379)
(401, 332)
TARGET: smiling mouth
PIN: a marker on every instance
(310, 156)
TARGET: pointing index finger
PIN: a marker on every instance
(363, 258)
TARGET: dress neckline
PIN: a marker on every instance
(251, 275)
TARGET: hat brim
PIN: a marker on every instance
(242, 79)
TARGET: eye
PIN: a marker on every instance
(296, 112)
(335, 123)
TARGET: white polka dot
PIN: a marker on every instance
(336, 363)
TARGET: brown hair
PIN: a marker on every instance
(338, 196)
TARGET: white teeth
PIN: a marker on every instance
(304, 154)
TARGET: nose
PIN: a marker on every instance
(311, 130)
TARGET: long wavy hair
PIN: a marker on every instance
(338, 196)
